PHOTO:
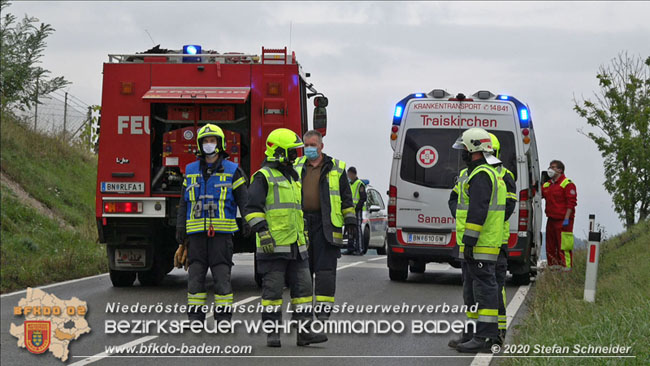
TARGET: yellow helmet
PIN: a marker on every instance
(496, 145)
(475, 140)
(211, 130)
(278, 144)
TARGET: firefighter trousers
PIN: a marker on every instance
(275, 271)
(214, 253)
(555, 256)
(323, 257)
(480, 286)
(501, 271)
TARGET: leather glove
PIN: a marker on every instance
(180, 235)
(565, 223)
(468, 252)
(180, 257)
(266, 242)
(352, 231)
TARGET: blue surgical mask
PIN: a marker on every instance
(311, 152)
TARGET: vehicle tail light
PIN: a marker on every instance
(392, 206)
(126, 87)
(523, 210)
(123, 207)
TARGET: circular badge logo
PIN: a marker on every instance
(427, 156)
(188, 134)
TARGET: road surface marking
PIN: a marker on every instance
(55, 284)
(102, 355)
(484, 359)
(376, 259)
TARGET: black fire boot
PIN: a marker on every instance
(195, 314)
(476, 345)
(502, 337)
(465, 337)
(273, 340)
(308, 337)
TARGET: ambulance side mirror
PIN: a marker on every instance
(320, 114)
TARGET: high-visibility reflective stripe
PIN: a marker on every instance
(472, 233)
(324, 298)
(283, 206)
(471, 315)
(227, 296)
(238, 183)
(223, 185)
(196, 299)
(337, 234)
(565, 182)
(490, 312)
(256, 220)
(285, 249)
(302, 300)
(487, 319)
(348, 211)
(474, 227)
(253, 215)
(271, 302)
(222, 199)
(334, 193)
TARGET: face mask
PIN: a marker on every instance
(465, 156)
(551, 172)
(209, 149)
(311, 152)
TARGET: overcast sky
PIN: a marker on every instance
(366, 56)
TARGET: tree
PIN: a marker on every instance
(620, 112)
(21, 77)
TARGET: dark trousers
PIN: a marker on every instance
(501, 271)
(216, 254)
(274, 273)
(357, 244)
(323, 257)
(480, 286)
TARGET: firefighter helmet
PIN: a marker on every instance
(475, 140)
(279, 143)
(211, 130)
(496, 145)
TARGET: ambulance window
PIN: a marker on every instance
(508, 153)
(435, 168)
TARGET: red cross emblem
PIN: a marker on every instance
(427, 156)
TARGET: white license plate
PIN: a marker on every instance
(130, 258)
(427, 239)
(130, 187)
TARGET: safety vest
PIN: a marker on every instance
(509, 195)
(490, 234)
(282, 211)
(211, 203)
(356, 191)
(333, 179)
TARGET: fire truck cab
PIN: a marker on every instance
(153, 104)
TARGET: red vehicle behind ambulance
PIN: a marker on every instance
(153, 104)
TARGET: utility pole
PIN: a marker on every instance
(36, 104)
(89, 119)
(65, 114)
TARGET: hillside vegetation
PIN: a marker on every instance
(558, 315)
(57, 242)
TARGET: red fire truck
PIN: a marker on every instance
(153, 104)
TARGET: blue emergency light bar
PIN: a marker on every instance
(524, 113)
(191, 49)
(365, 181)
(399, 108)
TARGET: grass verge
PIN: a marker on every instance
(558, 315)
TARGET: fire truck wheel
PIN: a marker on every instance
(122, 278)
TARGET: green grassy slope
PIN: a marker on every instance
(35, 249)
(620, 315)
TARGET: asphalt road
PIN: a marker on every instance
(362, 280)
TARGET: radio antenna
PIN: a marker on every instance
(151, 38)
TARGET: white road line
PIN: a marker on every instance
(484, 359)
(376, 259)
(102, 355)
(55, 284)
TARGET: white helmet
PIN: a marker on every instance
(475, 140)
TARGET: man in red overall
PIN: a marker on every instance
(561, 200)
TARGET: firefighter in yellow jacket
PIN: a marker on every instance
(275, 214)
(480, 216)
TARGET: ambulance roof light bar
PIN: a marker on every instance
(522, 110)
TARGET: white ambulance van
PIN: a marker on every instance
(425, 168)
